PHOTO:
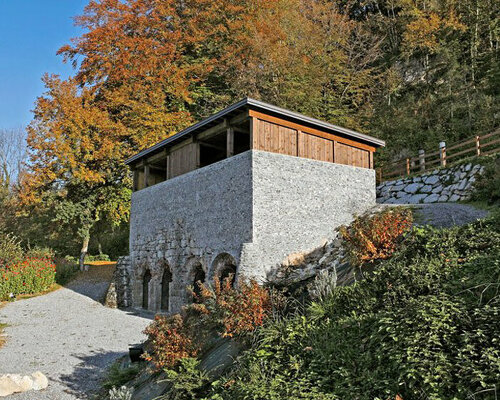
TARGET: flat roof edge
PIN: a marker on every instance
(261, 105)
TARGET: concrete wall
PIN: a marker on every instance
(298, 203)
(186, 220)
(253, 209)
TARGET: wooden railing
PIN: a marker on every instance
(476, 146)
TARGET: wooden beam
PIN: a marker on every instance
(212, 146)
(253, 132)
(146, 176)
(312, 131)
(230, 142)
(167, 167)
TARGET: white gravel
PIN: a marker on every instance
(69, 336)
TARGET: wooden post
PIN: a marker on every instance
(478, 146)
(379, 174)
(442, 153)
(230, 142)
(167, 167)
(135, 185)
(421, 159)
(146, 176)
(407, 166)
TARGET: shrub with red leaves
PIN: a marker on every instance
(375, 237)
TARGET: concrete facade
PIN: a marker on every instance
(247, 212)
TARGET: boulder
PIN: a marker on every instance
(416, 198)
(413, 187)
(454, 197)
(431, 180)
(40, 381)
(433, 198)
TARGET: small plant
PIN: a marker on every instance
(375, 237)
(65, 270)
(323, 285)
(487, 185)
(118, 375)
(122, 393)
(239, 310)
(170, 340)
(187, 381)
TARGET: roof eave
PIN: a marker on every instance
(263, 106)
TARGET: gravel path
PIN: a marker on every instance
(69, 336)
(444, 215)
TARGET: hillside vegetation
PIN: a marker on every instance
(421, 321)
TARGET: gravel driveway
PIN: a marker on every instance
(445, 215)
(69, 336)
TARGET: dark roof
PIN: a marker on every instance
(247, 103)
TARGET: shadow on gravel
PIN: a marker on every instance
(88, 375)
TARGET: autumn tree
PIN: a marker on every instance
(76, 160)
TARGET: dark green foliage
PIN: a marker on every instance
(487, 187)
(187, 381)
(424, 325)
(119, 375)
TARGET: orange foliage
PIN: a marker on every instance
(375, 237)
(170, 341)
(241, 310)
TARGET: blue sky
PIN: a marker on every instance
(31, 32)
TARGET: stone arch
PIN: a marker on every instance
(165, 287)
(224, 266)
(196, 274)
(146, 279)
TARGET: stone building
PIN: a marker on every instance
(236, 194)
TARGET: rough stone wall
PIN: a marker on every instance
(121, 280)
(251, 210)
(298, 203)
(441, 185)
(186, 222)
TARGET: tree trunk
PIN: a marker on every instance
(83, 252)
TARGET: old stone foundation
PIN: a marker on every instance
(243, 215)
(441, 185)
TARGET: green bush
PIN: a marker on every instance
(98, 257)
(487, 186)
(40, 252)
(66, 269)
(119, 375)
(32, 275)
(424, 325)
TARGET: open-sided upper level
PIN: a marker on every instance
(250, 125)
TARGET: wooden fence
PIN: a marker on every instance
(476, 146)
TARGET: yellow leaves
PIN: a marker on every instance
(426, 28)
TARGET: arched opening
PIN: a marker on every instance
(145, 289)
(224, 267)
(199, 277)
(165, 288)
(228, 272)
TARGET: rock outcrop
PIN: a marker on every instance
(15, 383)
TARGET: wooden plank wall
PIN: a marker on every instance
(269, 136)
(345, 154)
(183, 159)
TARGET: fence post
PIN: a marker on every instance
(421, 159)
(442, 153)
(478, 146)
(407, 166)
(379, 174)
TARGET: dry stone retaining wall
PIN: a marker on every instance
(441, 185)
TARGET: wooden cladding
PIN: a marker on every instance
(273, 137)
(183, 159)
(349, 155)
